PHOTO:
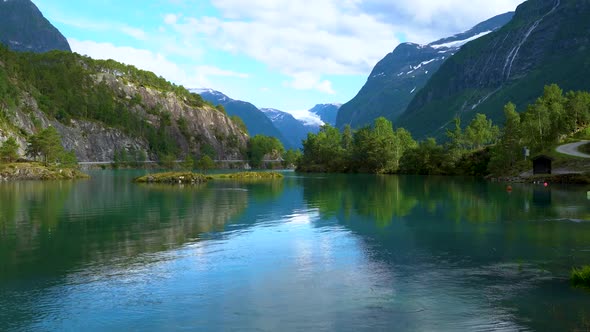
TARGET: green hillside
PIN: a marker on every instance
(68, 88)
(546, 42)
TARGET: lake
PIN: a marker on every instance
(309, 252)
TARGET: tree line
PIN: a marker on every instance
(481, 148)
(45, 146)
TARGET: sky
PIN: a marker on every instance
(283, 54)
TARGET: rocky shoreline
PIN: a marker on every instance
(572, 178)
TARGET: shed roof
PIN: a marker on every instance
(543, 157)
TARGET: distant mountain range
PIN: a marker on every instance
(23, 28)
(256, 121)
(294, 131)
(397, 78)
(273, 122)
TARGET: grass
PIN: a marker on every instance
(172, 177)
(249, 176)
(581, 277)
(585, 148)
(194, 178)
(37, 171)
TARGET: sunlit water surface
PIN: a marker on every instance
(309, 252)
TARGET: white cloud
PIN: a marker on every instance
(310, 81)
(437, 18)
(215, 71)
(330, 37)
(170, 19)
(134, 32)
(84, 24)
(155, 62)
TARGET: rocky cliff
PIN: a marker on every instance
(116, 108)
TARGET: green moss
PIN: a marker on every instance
(581, 277)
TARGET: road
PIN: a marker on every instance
(572, 149)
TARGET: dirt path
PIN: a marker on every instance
(572, 149)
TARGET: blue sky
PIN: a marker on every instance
(282, 54)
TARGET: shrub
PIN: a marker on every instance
(581, 277)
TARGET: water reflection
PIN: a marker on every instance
(312, 252)
(100, 219)
(486, 246)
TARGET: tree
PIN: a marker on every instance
(9, 151)
(168, 161)
(480, 132)
(46, 145)
(260, 146)
(205, 163)
(188, 163)
(240, 123)
(291, 157)
(427, 158)
(323, 151)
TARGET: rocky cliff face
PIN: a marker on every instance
(93, 141)
(396, 79)
(23, 28)
(546, 42)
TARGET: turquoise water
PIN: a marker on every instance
(310, 252)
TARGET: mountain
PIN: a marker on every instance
(256, 121)
(102, 108)
(326, 112)
(295, 131)
(547, 41)
(24, 29)
(397, 78)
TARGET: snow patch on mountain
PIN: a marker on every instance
(459, 43)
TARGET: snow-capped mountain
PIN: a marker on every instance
(255, 120)
(326, 112)
(397, 78)
(294, 130)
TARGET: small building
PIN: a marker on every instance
(542, 164)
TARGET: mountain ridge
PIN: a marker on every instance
(397, 78)
(510, 65)
(23, 28)
(291, 128)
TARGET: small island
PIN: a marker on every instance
(196, 178)
(37, 171)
